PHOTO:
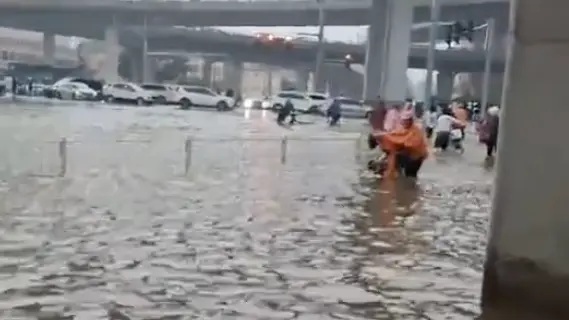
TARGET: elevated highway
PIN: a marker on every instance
(243, 48)
(89, 18)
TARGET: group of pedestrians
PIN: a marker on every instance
(404, 135)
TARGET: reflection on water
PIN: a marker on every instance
(127, 236)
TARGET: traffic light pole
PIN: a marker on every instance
(320, 48)
(433, 30)
(489, 48)
(145, 50)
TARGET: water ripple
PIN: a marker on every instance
(126, 236)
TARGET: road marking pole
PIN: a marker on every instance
(284, 144)
(62, 157)
(188, 153)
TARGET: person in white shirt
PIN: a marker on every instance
(446, 122)
(431, 121)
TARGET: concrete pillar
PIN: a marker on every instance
(233, 75)
(322, 84)
(445, 85)
(147, 63)
(49, 47)
(302, 78)
(112, 51)
(149, 67)
(135, 67)
(207, 65)
(394, 81)
(527, 264)
(376, 43)
(496, 86)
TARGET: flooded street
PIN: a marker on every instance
(127, 235)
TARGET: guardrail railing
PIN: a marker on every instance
(189, 147)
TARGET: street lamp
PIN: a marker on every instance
(320, 54)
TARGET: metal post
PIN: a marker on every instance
(320, 53)
(359, 148)
(489, 48)
(284, 144)
(433, 29)
(145, 50)
(188, 154)
(270, 81)
(62, 157)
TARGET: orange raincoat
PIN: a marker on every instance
(460, 114)
(411, 139)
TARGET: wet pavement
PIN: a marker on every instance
(127, 235)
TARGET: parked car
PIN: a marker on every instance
(317, 102)
(352, 108)
(162, 94)
(74, 91)
(127, 92)
(97, 86)
(302, 101)
(203, 97)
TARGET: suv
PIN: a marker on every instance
(162, 94)
(203, 97)
(127, 92)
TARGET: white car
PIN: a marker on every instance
(352, 108)
(74, 91)
(317, 102)
(161, 93)
(127, 92)
(302, 101)
(203, 97)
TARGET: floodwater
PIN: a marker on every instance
(126, 234)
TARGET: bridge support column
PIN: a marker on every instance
(376, 46)
(233, 75)
(302, 78)
(527, 261)
(496, 86)
(112, 51)
(445, 85)
(207, 68)
(49, 47)
(394, 86)
(321, 84)
(149, 67)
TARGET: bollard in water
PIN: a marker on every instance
(62, 157)
(284, 143)
(188, 152)
(358, 148)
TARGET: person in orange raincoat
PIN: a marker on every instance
(406, 148)
(461, 114)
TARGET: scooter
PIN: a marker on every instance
(456, 140)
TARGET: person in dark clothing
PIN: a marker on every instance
(31, 87)
(334, 112)
(491, 125)
(14, 86)
(285, 111)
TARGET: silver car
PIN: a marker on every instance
(75, 91)
(352, 108)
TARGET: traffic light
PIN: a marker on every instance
(348, 60)
(458, 31)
